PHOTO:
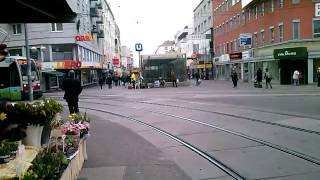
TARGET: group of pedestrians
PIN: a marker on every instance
(106, 80)
(258, 79)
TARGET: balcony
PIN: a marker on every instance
(100, 20)
(99, 5)
(94, 12)
(100, 34)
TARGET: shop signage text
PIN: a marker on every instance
(85, 37)
(291, 53)
(245, 39)
(234, 56)
(68, 64)
(247, 55)
(115, 61)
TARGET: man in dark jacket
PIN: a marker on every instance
(72, 89)
(259, 77)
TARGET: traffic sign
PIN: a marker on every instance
(138, 47)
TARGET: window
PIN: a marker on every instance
(295, 1)
(316, 28)
(56, 27)
(261, 9)
(254, 12)
(271, 7)
(280, 32)
(295, 29)
(262, 37)
(255, 39)
(280, 3)
(16, 28)
(271, 35)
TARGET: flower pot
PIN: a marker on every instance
(4, 159)
(45, 135)
(33, 136)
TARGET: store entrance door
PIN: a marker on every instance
(287, 67)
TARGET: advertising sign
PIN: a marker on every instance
(245, 39)
(291, 53)
(235, 56)
(85, 37)
(115, 61)
(247, 55)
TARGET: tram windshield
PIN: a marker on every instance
(24, 70)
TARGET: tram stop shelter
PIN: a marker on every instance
(155, 67)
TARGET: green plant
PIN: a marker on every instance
(78, 118)
(4, 149)
(49, 164)
(7, 147)
(57, 121)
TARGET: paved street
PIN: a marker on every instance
(211, 131)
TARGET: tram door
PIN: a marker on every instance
(15, 83)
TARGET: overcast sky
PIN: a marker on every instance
(151, 22)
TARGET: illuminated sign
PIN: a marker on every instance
(115, 61)
(68, 64)
(22, 61)
(85, 37)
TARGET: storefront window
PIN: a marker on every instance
(316, 28)
(316, 64)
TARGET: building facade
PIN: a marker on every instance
(281, 35)
(202, 35)
(59, 47)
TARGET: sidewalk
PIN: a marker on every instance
(222, 84)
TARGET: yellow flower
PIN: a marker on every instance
(3, 116)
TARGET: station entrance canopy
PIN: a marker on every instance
(37, 11)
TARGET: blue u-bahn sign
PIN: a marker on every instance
(138, 47)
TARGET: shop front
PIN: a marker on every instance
(291, 59)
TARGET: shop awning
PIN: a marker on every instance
(36, 11)
(54, 73)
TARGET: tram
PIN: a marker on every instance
(14, 79)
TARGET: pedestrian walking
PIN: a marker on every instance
(101, 81)
(259, 77)
(109, 81)
(133, 80)
(318, 76)
(189, 75)
(174, 79)
(72, 89)
(296, 75)
(197, 76)
(268, 78)
(234, 77)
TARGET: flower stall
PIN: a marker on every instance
(36, 143)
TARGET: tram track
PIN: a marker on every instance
(218, 113)
(203, 154)
(260, 141)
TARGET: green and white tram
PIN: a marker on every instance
(14, 79)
